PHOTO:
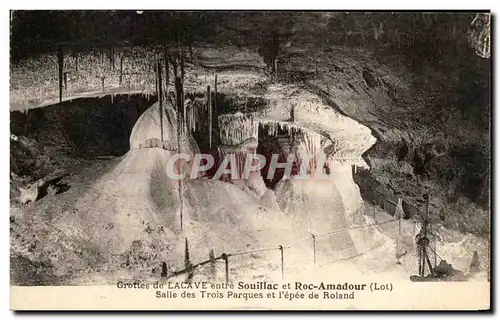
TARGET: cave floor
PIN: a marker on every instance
(29, 224)
(33, 220)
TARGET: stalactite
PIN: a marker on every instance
(205, 105)
(305, 141)
(121, 69)
(209, 117)
(167, 76)
(184, 116)
(312, 141)
(215, 96)
(193, 116)
(160, 96)
(238, 127)
(60, 61)
(189, 107)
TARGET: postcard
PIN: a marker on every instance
(250, 160)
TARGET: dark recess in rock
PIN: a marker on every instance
(370, 79)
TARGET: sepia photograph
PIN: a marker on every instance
(236, 160)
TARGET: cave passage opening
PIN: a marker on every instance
(64, 134)
(86, 127)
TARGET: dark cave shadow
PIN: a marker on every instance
(61, 187)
